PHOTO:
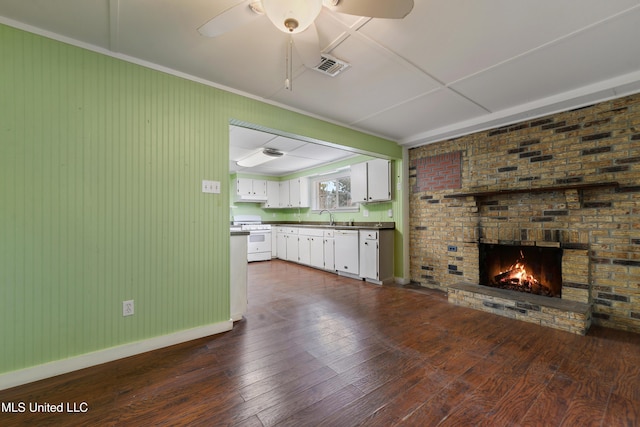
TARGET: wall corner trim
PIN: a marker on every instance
(63, 366)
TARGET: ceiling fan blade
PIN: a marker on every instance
(308, 46)
(231, 18)
(390, 9)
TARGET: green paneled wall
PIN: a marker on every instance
(100, 169)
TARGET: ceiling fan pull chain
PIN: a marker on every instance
(288, 81)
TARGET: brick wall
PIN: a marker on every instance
(598, 227)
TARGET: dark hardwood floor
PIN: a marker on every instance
(319, 350)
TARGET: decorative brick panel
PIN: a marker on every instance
(440, 172)
(597, 228)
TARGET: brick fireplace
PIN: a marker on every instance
(570, 182)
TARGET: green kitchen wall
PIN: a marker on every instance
(101, 163)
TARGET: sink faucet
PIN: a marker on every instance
(331, 221)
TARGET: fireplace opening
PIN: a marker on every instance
(532, 269)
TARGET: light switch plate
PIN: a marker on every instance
(211, 187)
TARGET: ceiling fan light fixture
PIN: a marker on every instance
(260, 157)
(292, 16)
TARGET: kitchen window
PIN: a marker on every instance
(333, 192)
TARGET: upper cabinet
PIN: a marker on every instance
(294, 193)
(371, 181)
(251, 190)
(273, 195)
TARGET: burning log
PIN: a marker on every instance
(504, 276)
(516, 277)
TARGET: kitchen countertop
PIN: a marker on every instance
(337, 225)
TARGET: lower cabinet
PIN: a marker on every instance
(316, 246)
(293, 253)
(376, 256)
(311, 247)
(287, 243)
(274, 242)
(328, 247)
(365, 254)
(281, 243)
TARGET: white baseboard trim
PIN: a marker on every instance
(402, 281)
(51, 369)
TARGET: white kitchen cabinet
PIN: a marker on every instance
(299, 192)
(369, 254)
(316, 248)
(250, 190)
(329, 250)
(284, 201)
(376, 256)
(273, 195)
(274, 242)
(371, 181)
(287, 243)
(311, 247)
(292, 244)
(294, 193)
(304, 248)
(310, 250)
(281, 242)
(346, 252)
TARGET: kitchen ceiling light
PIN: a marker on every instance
(292, 16)
(260, 157)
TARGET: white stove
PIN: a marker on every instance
(259, 238)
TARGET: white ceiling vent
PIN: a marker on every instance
(330, 65)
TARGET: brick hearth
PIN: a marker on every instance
(555, 313)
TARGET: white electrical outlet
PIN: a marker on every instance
(365, 213)
(390, 213)
(210, 186)
(127, 308)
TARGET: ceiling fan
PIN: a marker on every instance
(296, 17)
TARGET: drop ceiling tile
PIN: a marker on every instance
(320, 152)
(451, 40)
(285, 144)
(283, 166)
(583, 59)
(434, 110)
(374, 81)
(247, 138)
(237, 153)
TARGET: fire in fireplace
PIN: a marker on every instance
(533, 269)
